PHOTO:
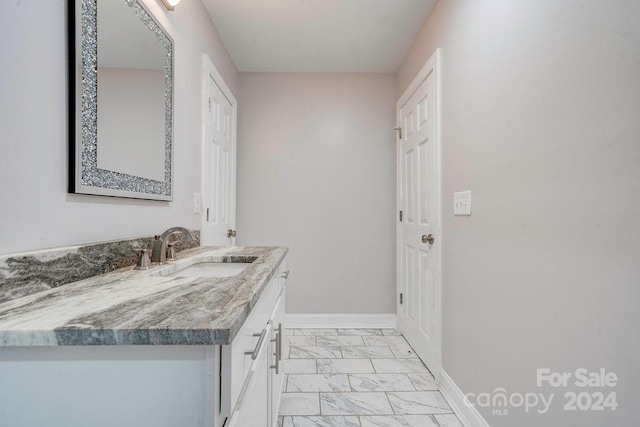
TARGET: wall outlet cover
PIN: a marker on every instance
(197, 203)
(462, 203)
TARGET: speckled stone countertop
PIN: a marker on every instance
(129, 307)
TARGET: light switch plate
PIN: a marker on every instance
(462, 203)
(197, 203)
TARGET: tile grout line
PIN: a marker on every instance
(390, 405)
(349, 380)
(411, 382)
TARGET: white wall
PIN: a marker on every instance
(541, 120)
(316, 173)
(35, 209)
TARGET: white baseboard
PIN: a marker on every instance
(377, 321)
(469, 415)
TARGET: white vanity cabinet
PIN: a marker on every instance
(235, 385)
(252, 367)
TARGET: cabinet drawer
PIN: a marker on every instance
(236, 357)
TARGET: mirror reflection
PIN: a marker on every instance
(131, 94)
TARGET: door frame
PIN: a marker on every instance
(433, 65)
(209, 69)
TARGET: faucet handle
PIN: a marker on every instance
(171, 252)
(143, 260)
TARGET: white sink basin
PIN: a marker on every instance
(212, 269)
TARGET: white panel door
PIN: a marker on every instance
(418, 231)
(219, 185)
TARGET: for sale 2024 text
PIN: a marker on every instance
(597, 395)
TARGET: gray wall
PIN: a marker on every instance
(316, 173)
(541, 120)
(35, 209)
(131, 121)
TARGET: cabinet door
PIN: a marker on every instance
(276, 375)
(236, 365)
(253, 407)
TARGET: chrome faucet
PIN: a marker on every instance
(159, 252)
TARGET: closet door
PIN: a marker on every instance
(219, 163)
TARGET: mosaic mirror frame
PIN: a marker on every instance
(85, 177)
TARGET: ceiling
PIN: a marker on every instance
(318, 35)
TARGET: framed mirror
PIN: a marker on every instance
(120, 101)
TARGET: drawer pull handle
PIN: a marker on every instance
(254, 353)
(280, 341)
(277, 341)
(278, 354)
(285, 274)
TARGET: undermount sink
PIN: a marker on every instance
(212, 269)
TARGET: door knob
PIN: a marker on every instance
(428, 239)
(231, 233)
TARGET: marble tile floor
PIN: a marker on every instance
(358, 378)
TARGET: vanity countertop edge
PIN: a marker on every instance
(130, 307)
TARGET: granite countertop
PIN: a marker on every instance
(130, 307)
